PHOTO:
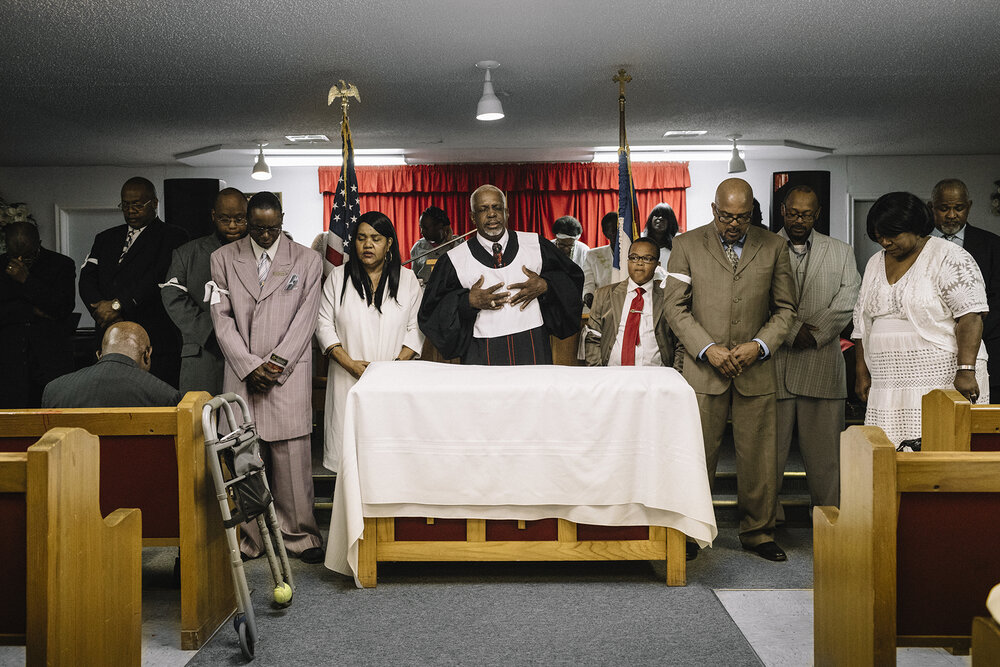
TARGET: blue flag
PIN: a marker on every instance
(626, 207)
(346, 204)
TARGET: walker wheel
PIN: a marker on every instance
(246, 641)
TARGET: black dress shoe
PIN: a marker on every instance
(768, 551)
(692, 550)
(312, 555)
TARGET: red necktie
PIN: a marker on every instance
(497, 255)
(631, 337)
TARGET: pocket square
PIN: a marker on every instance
(292, 281)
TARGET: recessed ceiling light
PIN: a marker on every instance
(307, 138)
(685, 133)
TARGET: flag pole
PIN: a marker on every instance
(626, 191)
(342, 216)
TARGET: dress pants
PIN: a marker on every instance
(753, 434)
(818, 422)
(289, 474)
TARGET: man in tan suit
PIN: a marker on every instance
(607, 327)
(812, 379)
(731, 300)
(264, 306)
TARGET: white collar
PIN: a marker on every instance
(486, 243)
(271, 252)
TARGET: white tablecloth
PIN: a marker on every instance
(605, 446)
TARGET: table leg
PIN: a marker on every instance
(367, 561)
(676, 558)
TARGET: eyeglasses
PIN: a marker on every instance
(230, 219)
(260, 229)
(643, 259)
(729, 218)
(804, 216)
(133, 205)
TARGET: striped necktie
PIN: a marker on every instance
(128, 244)
(262, 268)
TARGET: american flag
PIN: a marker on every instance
(627, 227)
(346, 204)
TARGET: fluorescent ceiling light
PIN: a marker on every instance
(307, 138)
(329, 160)
(661, 156)
(685, 133)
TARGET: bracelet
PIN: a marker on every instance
(966, 367)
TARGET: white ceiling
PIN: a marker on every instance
(137, 82)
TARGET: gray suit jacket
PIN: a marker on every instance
(827, 299)
(115, 381)
(252, 323)
(708, 302)
(605, 320)
(183, 296)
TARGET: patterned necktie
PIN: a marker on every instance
(128, 244)
(630, 339)
(497, 255)
(950, 237)
(262, 268)
(730, 249)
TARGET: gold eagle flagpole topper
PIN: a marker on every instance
(344, 91)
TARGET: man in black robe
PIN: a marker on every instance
(495, 299)
(36, 301)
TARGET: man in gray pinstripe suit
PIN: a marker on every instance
(264, 306)
(812, 383)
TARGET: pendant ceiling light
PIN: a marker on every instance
(489, 107)
(736, 163)
(261, 171)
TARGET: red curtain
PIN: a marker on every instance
(537, 193)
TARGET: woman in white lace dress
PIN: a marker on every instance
(918, 319)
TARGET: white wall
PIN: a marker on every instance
(45, 188)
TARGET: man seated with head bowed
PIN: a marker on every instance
(951, 204)
(119, 379)
(599, 264)
(496, 299)
(186, 294)
(435, 233)
(36, 300)
(264, 304)
(568, 231)
(628, 324)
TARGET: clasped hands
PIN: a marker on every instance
(104, 314)
(265, 376)
(489, 298)
(732, 362)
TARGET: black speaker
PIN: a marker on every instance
(819, 181)
(188, 202)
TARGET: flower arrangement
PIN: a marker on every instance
(12, 212)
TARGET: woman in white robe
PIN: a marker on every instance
(368, 313)
(918, 319)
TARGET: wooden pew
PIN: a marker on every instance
(985, 642)
(154, 459)
(949, 423)
(911, 554)
(72, 579)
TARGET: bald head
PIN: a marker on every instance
(733, 208)
(734, 191)
(130, 339)
(229, 213)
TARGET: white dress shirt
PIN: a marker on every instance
(647, 352)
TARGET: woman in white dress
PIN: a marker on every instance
(368, 313)
(918, 319)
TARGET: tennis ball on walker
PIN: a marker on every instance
(282, 593)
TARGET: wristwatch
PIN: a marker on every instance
(116, 305)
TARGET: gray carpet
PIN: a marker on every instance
(515, 614)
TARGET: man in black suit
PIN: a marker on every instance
(950, 203)
(121, 278)
(36, 300)
(119, 379)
